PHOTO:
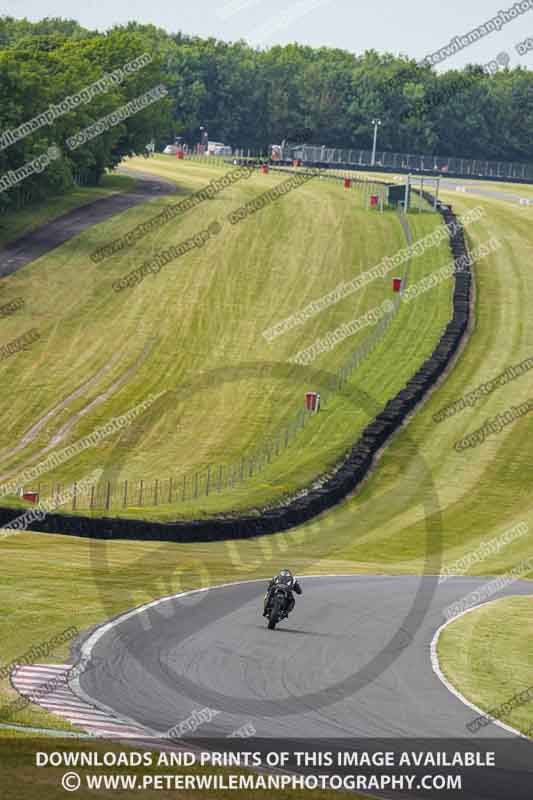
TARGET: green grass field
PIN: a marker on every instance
(194, 334)
(420, 478)
(487, 655)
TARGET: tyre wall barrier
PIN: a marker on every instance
(335, 488)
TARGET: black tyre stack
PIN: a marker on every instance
(347, 477)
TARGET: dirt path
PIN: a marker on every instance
(62, 434)
(37, 243)
(33, 432)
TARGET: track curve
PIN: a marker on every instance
(213, 649)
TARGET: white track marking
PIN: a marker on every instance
(98, 708)
(34, 682)
(451, 688)
(88, 646)
(73, 704)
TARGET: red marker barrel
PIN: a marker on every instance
(31, 497)
(310, 401)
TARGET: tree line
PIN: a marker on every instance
(246, 97)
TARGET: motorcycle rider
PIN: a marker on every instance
(284, 578)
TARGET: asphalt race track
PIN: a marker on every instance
(353, 660)
(477, 189)
(47, 237)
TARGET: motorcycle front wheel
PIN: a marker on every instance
(274, 614)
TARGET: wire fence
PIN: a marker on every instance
(170, 491)
(216, 478)
(364, 189)
(368, 191)
(476, 168)
(413, 162)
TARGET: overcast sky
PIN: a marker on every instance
(413, 27)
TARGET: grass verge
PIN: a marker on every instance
(487, 655)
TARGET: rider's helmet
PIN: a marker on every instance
(285, 576)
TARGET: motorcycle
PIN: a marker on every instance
(278, 607)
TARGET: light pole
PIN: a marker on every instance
(376, 123)
(204, 137)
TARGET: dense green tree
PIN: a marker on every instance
(246, 97)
